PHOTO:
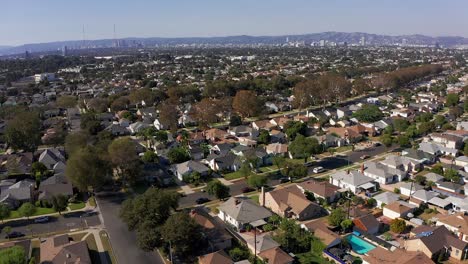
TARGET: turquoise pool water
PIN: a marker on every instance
(359, 245)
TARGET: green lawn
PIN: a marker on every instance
(107, 246)
(92, 201)
(233, 175)
(255, 198)
(77, 206)
(39, 211)
(93, 250)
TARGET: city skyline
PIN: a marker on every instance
(57, 22)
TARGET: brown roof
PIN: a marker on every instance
(366, 222)
(398, 207)
(321, 188)
(459, 221)
(218, 257)
(60, 249)
(291, 197)
(382, 256)
(321, 231)
(276, 256)
(277, 148)
(440, 238)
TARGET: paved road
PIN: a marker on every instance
(123, 241)
(55, 224)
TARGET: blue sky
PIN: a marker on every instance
(32, 21)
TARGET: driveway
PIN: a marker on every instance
(124, 242)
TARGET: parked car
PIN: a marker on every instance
(14, 234)
(363, 157)
(284, 179)
(42, 219)
(202, 200)
(318, 170)
(247, 189)
(88, 214)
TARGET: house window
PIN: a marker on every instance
(457, 252)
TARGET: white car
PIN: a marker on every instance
(318, 170)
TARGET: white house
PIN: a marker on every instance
(398, 209)
(355, 181)
(240, 211)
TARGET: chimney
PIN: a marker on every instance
(237, 201)
(362, 168)
(68, 256)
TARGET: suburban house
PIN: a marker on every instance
(435, 241)
(433, 177)
(355, 181)
(367, 223)
(408, 188)
(229, 162)
(290, 202)
(448, 140)
(330, 140)
(275, 256)
(61, 249)
(186, 168)
(55, 185)
(51, 156)
(398, 209)
(437, 149)
(386, 198)
(219, 256)
(382, 173)
(456, 223)
(277, 149)
(217, 236)
(18, 193)
(398, 256)
(422, 196)
(321, 231)
(401, 163)
(418, 156)
(320, 189)
(241, 211)
(262, 243)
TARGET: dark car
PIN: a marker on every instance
(14, 234)
(42, 219)
(284, 179)
(247, 190)
(202, 200)
(88, 214)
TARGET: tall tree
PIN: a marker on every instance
(4, 211)
(146, 213)
(205, 112)
(303, 147)
(124, 158)
(86, 168)
(180, 230)
(59, 203)
(13, 255)
(27, 210)
(217, 189)
(247, 103)
(23, 131)
(168, 116)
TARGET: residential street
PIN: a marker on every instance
(55, 224)
(123, 241)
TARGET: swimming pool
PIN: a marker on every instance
(359, 245)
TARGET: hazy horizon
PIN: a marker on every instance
(31, 21)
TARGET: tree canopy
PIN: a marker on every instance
(23, 131)
(146, 213)
(368, 113)
(217, 189)
(86, 168)
(13, 255)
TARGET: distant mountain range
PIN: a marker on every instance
(338, 37)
